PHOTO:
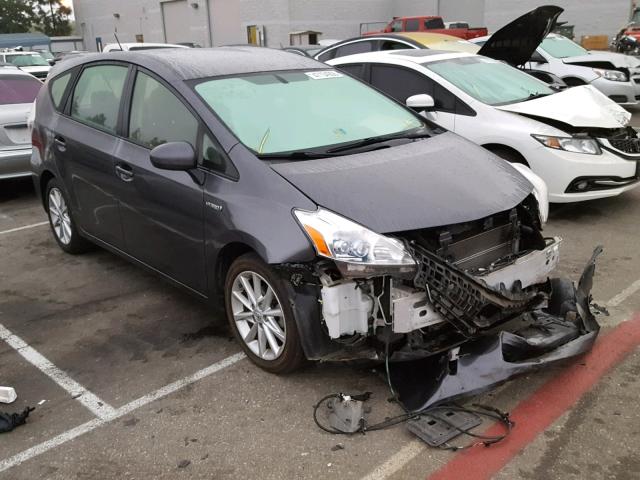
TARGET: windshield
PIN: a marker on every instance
(489, 81)
(18, 89)
(302, 110)
(31, 60)
(562, 47)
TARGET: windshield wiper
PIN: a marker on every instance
(381, 139)
(533, 96)
(297, 155)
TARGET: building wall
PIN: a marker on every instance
(220, 22)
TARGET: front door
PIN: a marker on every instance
(161, 210)
(84, 142)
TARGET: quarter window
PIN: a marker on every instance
(96, 98)
(58, 87)
(157, 116)
(214, 159)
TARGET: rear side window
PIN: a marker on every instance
(96, 98)
(18, 89)
(433, 23)
(412, 25)
(400, 83)
(157, 116)
(353, 48)
(391, 45)
(355, 70)
(57, 88)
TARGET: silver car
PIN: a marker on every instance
(18, 90)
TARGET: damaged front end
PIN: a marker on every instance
(470, 306)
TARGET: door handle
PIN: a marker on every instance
(60, 142)
(125, 172)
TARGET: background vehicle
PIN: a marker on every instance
(18, 90)
(274, 183)
(400, 41)
(430, 24)
(129, 47)
(577, 140)
(305, 51)
(527, 42)
(30, 62)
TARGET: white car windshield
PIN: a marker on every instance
(562, 47)
(489, 81)
(302, 110)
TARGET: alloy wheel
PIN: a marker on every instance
(59, 215)
(258, 315)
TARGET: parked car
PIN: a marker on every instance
(304, 50)
(130, 47)
(18, 90)
(614, 74)
(30, 62)
(47, 55)
(400, 41)
(418, 40)
(578, 141)
(430, 24)
(317, 208)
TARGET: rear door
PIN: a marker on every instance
(84, 140)
(162, 211)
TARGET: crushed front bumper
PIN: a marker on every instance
(483, 362)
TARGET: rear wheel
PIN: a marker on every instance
(61, 221)
(260, 315)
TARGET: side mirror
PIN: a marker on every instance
(174, 156)
(421, 102)
(537, 58)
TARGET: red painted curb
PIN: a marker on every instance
(536, 413)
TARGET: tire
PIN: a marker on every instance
(61, 221)
(272, 341)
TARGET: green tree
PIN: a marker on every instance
(51, 17)
(16, 16)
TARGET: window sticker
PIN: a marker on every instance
(323, 74)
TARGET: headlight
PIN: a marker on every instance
(357, 250)
(613, 75)
(570, 144)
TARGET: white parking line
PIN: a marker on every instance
(98, 407)
(69, 435)
(623, 295)
(26, 227)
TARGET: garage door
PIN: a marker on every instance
(176, 17)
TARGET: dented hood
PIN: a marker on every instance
(617, 60)
(582, 106)
(515, 42)
(432, 182)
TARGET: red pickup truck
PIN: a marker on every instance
(431, 24)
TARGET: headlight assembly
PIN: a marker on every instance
(613, 75)
(570, 144)
(356, 250)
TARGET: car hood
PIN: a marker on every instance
(618, 60)
(438, 181)
(515, 42)
(582, 106)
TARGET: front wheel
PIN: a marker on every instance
(260, 315)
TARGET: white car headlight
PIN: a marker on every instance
(570, 144)
(357, 250)
(613, 75)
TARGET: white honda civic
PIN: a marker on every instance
(577, 140)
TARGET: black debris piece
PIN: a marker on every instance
(9, 421)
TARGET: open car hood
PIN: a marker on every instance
(582, 106)
(438, 181)
(515, 42)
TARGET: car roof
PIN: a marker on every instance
(178, 64)
(143, 44)
(11, 52)
(9, 69)
(419, 56)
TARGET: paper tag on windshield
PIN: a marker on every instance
(323, 74)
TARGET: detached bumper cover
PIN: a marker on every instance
(479, 364)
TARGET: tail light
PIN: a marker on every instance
(36, 140)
